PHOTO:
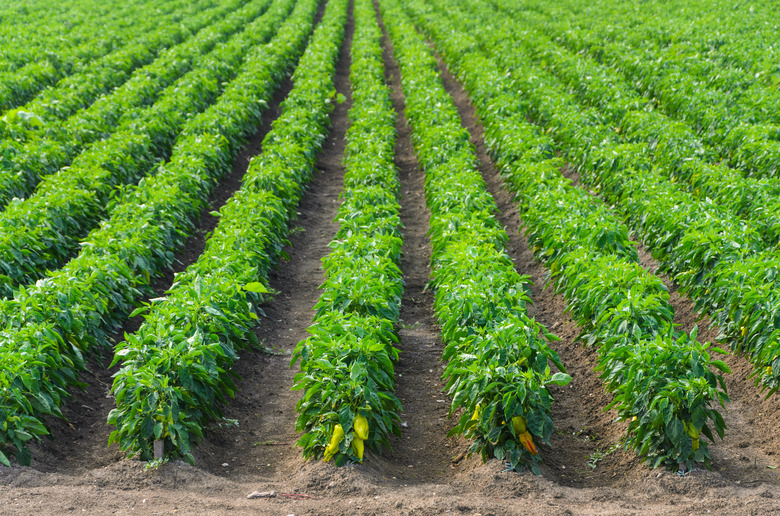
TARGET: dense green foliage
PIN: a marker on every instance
(347, 363)
(176, 367)
(661, 379)
(95, 43)
(33, 150)
(711, 77)
(499, 362)
(49, 325)
(43, 231)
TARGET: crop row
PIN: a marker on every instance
(74, 310)
(661, 379)
(176, 367)
(347, 375)
(499, 363)
(40, 153)
(117, 28)
(717, 259)
(43, 231)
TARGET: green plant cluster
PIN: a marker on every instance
(347, 362)
(80, 89)
(719, 260)
(50, 140)
(73, 310)
(661, 379)
(730, 100)
(709, 42)
(63, 27)
(499, 361)
(43, 231)
(667, 145)
(98, 37)
(175, 370)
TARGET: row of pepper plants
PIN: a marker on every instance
(347, 375)
(499, 362)
(32, 151)
(739, 126)
(72, 312)
(116, 28)
(43, 231)
(660, 378)
(669, 143)
(718, 260)
(177, 367)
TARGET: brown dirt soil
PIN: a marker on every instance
(425, 473)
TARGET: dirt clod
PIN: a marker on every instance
(263, 494)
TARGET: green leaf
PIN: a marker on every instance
(721, 366)
(560, 379)
(257, 287)
(675, 430)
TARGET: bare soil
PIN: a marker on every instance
(586, 471)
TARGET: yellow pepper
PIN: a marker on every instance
(693, 433)
(518, 423)
(360, 424)
(333, 446)
(528, 442)
(357, 446)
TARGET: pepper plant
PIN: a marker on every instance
(347, 363)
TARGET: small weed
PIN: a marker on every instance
(154, 464)
(600, 454)
(279, 352)
(227, 423)
(595, 458)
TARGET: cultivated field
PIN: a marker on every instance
(389, 257)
